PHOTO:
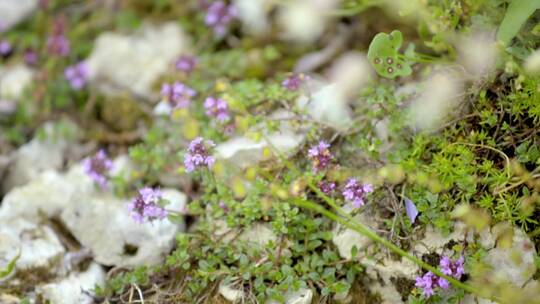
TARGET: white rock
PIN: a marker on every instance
(302, 296)
(382, 270)
(38, 245)
(134, 62)
(304, 20)
(47, 195)
(253, 14)
(123, 167)
(243, 151)
(434, 240)
(39, 155)
(103, 224)
(98, 220)
(345, 239)
(231, 294)
(328, 105)
(14, 79)
(516, 263)
(31, 159)
(258, 233)
(163, 108)
(72, 289)
(14, 11)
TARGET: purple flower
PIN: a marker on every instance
(77, 75)
(5, 48)
(223, 206)
(186, 63)
(293, 82)
(218, 108)
(411, 210)
(443, 283)
(229, 129)
(327, 187)
(145, 206)
(355, 192)
(198, 155)
(178, 95)
(320, 155)
(30, 57)
(219, 15)
(428, 282)
(97, 167)
(452, 268)
(57, 43)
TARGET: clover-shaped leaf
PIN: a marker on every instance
(384, 56)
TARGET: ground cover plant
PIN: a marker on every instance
(329, 151)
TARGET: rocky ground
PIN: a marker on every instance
(67, 236)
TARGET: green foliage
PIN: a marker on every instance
(517, 14)
(10, 266)
(384, 56)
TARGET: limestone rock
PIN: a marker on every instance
(231, 294)
(345, 239)
(14, 79)
(39, 155)
(516, 263)
(301, 296)
(243, 151)
(14, 11)
(72, 288)
(39, 247)
(103, 224)
(97, 219)
(117, 60)
(47, 195)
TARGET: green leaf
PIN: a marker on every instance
(384, 56)
(10, 266)
(517, 14)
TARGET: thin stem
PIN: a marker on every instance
(346, 220)
(360, 228)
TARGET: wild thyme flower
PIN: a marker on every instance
(178, 95)
(198, 154)
(452, 268)
(77, 75)
(219, 15)
(355, 192)
(186, 63)
(320, 155)
(5, 48)
(294, 81)
(218, 108)
(30, 57)
(145, 206)
(223, 206)
(57, 43)
(97, 167)
(327, 187)
(428, 282)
